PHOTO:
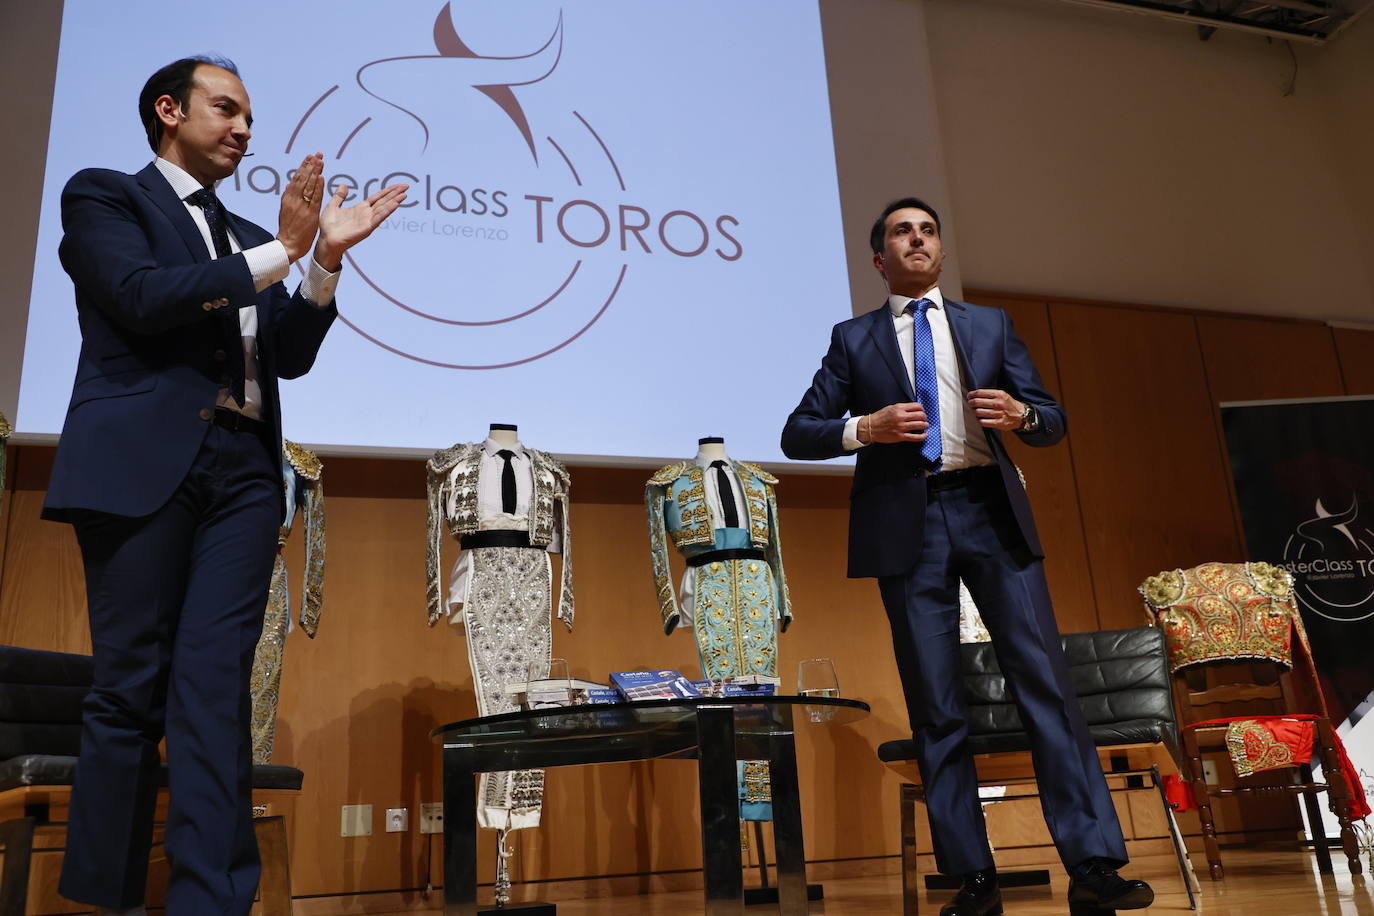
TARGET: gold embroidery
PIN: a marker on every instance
(755, 781)
(1216, 611)
(453, 472)
(306, 462)
(666, 475)
(756, 471)
(654, 496)
(1254, 748)
(1163, 589)
(693, 512)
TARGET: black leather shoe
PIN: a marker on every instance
(1095, 886)
(979, 896)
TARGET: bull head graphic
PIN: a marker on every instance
(494, 77)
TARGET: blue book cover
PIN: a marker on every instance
(603, 695)
(729, 688)
(665, 684)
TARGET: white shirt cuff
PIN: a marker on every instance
(267, 263)
(851, 434)
(319, 284)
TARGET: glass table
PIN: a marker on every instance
(714, 731)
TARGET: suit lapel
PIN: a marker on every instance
(961, 330)
(174, 209)
(885, 339)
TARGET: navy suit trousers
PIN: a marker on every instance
(176, 602)
(971, 534)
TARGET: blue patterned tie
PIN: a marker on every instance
(927, 383)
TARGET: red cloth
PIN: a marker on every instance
(1293, 732)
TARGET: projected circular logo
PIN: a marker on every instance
(506, 250)
(1332, 554)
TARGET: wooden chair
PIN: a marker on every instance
(40, 735)
(1239, 659)
(1123, 689)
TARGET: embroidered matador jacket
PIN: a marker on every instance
(452, 497)
(303, 480)
(675, 498)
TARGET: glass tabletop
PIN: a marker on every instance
(659, 727)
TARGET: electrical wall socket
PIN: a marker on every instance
(1209, 772)
(397, 820)
(432, 817)
(355, 820)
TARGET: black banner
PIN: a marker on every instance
(1304, 473)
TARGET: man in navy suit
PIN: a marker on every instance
(923, 389)
(169, 470)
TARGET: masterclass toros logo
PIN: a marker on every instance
(1331, 556)
(512, 190)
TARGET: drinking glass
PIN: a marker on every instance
(816, 678)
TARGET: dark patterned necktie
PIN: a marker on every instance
(927, 382)
(507, 482)
(214, 218)
(726, 494)
(228, 318)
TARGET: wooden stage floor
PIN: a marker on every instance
(1259, 882)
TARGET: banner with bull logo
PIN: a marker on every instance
(1304, 474)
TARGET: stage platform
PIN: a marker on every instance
(1274, 881)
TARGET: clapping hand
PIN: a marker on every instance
(343, 227)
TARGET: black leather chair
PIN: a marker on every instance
(1124, 690)
(40, 735)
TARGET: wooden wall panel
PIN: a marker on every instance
(1151, 478)
(1253, 359)
(1356, 350)
(1050, 480)
(43, 592)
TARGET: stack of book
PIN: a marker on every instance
(665, 684)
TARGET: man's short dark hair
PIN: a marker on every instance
(875, 237)
(175, 80)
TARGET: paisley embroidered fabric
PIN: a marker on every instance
(1220, 611)
(507, 621)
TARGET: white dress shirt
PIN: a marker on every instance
(963, 443)
(713, 494)
(491, 514)
(268, 263)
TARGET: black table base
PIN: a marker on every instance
(753, 896)
(717, 732)
(521, 909)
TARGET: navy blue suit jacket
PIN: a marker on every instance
(863, 373)
(151, 363)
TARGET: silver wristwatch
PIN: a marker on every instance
(1030, 420)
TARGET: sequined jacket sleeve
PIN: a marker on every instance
(655, 493)
(311, 506)
(773, 555)
(566, 606)
(435, 486)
